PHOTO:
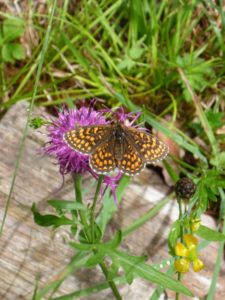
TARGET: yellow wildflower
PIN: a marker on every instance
(188, 254)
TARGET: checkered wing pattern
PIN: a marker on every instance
(131, 163)
(87, 138)
(102, 159)
(148, 146)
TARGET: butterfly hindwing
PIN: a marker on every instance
(87, 138)
(116, 146)
(147, 145)
(102, 159)
(131, 163)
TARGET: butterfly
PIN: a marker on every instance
(118, 146)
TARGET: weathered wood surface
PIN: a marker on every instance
(28, 251)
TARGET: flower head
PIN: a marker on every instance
(185, 188)
(188, 255)
(69, 160)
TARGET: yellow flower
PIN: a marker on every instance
(188, 254)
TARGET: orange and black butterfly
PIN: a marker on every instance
(114, 146)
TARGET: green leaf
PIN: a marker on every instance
(113, 270)
(136, 51)
(73, 229)
(18, 51)
(13, 28)
(49, 220)
(114, 243)
(136, 265)
(7, 54)
(36, 123)
(65, 204)
(95, 259)
(197, 70)
(90, 290)
(109, 206)
(84, 233)
(81, 247)
(219, 160)
(210, 234)
(174, 235)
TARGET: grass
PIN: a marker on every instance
(163, 58)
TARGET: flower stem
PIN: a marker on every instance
(111, 282)
(181, 238)
(180, 217)
(92, 217)
(83, 219)
(78, 194)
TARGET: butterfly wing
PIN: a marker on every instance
(102, 160)
(86, 139)
(148, 146)
(130, 163)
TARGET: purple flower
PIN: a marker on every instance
(69, 160)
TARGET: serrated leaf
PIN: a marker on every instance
(149, 273)
(49, 220)
(210, 234)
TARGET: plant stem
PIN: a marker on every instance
(111, 282)
(83, 219)
(179, 200)
(219, 260)
(78, 195)
(25, 130)
(92, 217)
(180, 217)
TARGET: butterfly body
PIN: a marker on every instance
(114, 146)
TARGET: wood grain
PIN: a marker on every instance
(28, 251)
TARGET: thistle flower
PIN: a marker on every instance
(69, 160)
(188, 254)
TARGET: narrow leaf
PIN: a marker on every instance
(210, 234)
(67, 205)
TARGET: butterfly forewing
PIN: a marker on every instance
(87, 138)
(131, 163)
(116, 146)
(147, 145)
(102, 159)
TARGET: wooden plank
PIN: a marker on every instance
(28, 251)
